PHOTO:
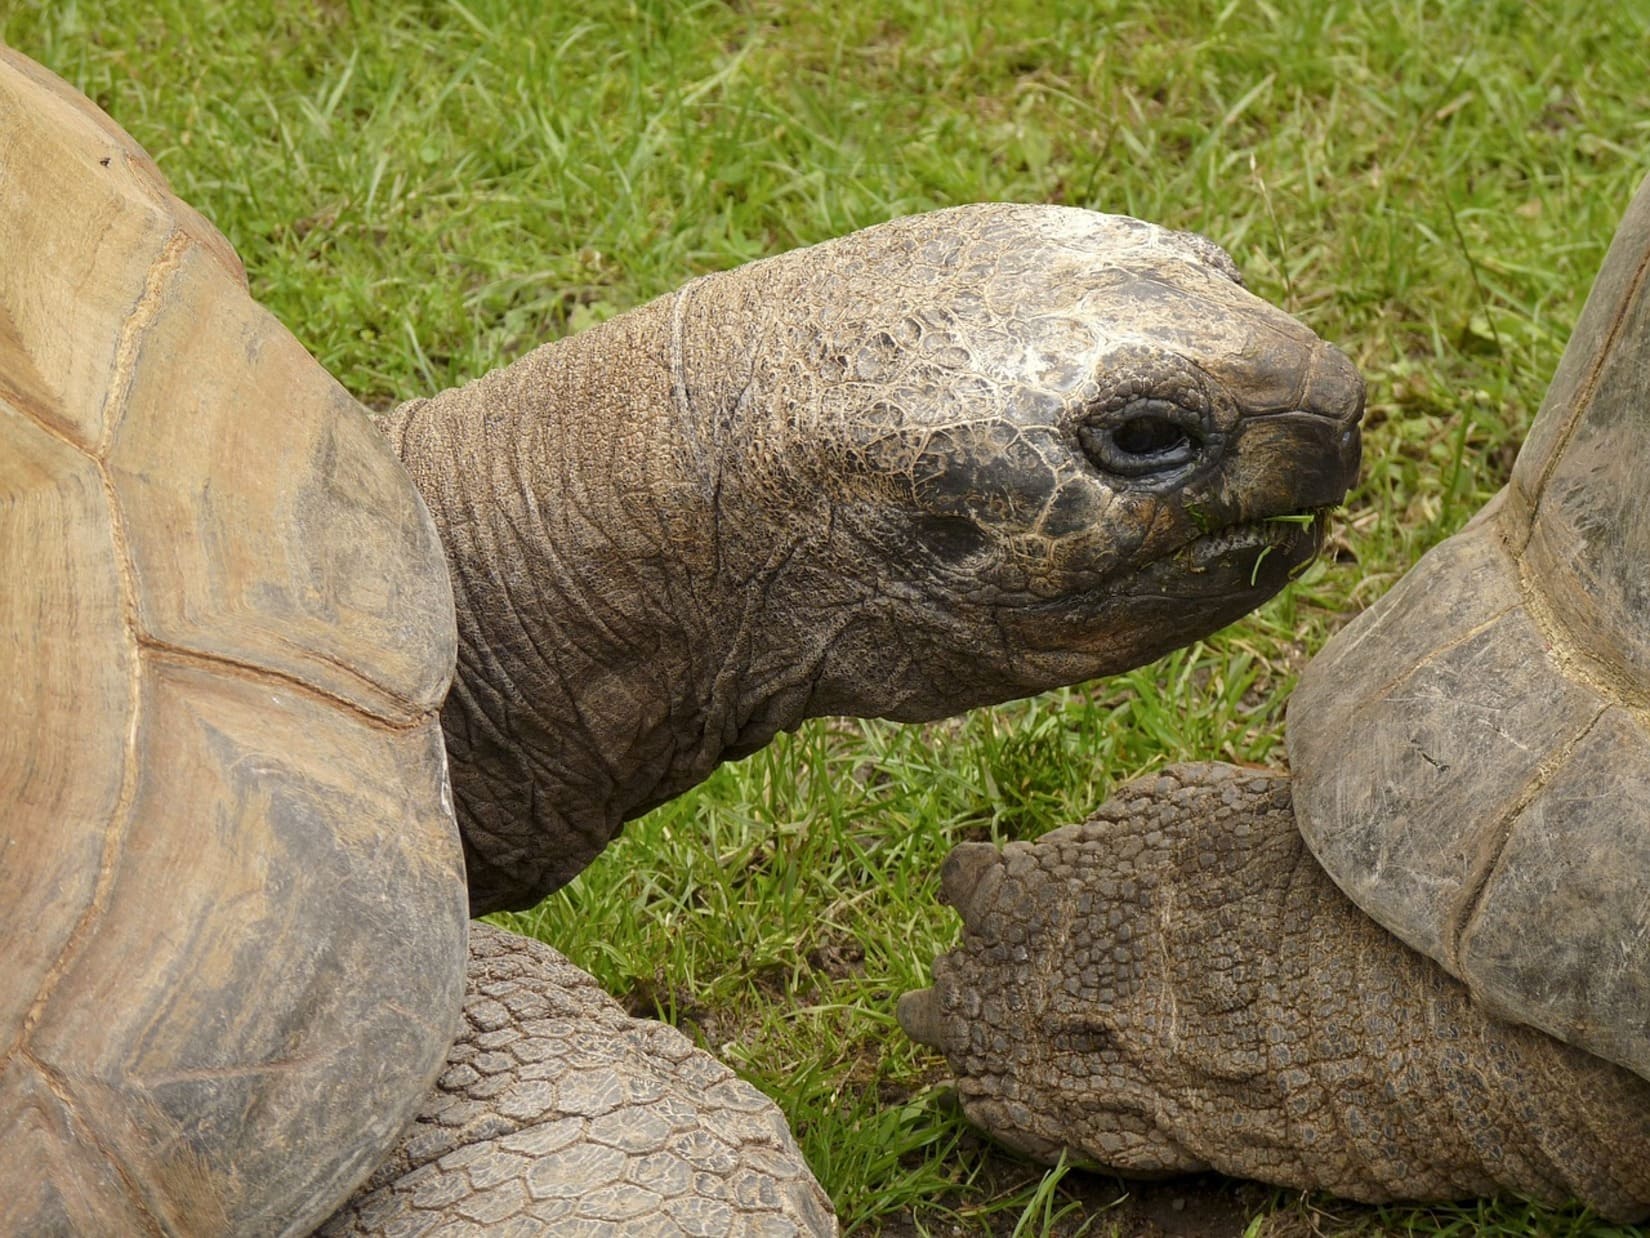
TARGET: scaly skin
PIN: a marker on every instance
(1175, 985)
(950, 460)
(559, 1113)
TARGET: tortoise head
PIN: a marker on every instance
(953, 459)
(1017, 447)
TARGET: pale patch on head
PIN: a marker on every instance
(1117, 236)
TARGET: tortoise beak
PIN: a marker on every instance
(1315, 429)
(1335, 393)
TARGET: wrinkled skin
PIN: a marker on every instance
(950, 460)
(1176, 985)
(955, 459)
(1403, 1002)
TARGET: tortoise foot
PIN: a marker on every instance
(1176, 985)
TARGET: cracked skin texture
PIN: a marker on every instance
(950, 460)
(559, 1113)
(1415, 1019)
(1176, 985)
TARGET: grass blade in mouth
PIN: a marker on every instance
(1306, 519)
(1254, 572)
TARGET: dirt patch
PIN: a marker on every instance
(1097, 1205)
(1100, 1206)
(839, 958)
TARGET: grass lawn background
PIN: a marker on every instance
(422, 191)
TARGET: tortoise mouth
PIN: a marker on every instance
(1293, 538)
(1130, 619)
(1243, 563)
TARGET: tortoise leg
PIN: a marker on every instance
(1176, 985)
(560, 1113)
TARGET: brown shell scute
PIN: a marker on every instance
(1472, 754)
(324, 571)
(94, 217)
(64, 716)
(1579, 478)
(235, 913)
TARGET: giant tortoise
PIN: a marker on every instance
(954, 459)
(1443, 989)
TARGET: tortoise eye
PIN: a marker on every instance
(1144, 438)
(1150, 436)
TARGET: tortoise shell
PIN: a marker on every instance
(235, 912)
(1472, 754)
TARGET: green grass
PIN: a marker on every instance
(425, 190)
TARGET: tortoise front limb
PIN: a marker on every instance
(559, 1113)
(1176, 985)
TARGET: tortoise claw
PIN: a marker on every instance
(918, 1013)
(971, 873)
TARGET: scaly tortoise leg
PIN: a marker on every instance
(560, 1113)
(1176, 985)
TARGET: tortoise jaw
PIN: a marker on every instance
(1129, 619)
(1259, 549)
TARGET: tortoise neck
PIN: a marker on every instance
(602, 650)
